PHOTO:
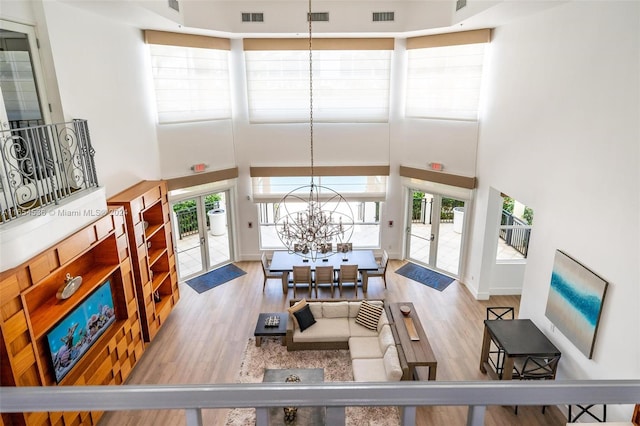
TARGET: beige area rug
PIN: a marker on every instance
(337, 368)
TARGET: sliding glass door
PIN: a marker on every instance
(435, 231)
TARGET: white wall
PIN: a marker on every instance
(560, 134)
(102, 74)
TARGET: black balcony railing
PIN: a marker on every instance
(516, 233)
(42, 165)
(188, 218)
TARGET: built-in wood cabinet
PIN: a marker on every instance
(29, 309)
(150, 237)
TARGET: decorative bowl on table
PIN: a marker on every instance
(405, 309)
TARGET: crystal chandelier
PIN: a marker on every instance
(326, 217)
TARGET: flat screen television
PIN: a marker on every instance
(72, 337)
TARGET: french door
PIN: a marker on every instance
(435, 231)
(202, 233)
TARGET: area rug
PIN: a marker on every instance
(425, 276)
(337, 368)
(214, 278)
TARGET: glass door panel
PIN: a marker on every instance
(188, 237)
(420, 233)
(449, 239)
(218, 235)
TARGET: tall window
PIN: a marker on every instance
(191, 78)
(350, 84)
(364, 194)
(444, 75)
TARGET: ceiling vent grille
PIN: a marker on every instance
(383, 16)
(460, 4)
(173, 4)
(253, 17)
(318, 16)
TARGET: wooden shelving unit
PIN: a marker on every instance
(150, 237)
(29, 309)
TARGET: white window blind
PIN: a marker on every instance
(191, 84)
(353, 188)
(444, 82)
(348, 85)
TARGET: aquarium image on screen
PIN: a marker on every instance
(75, 334)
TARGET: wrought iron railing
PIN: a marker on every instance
(515, 232)
(43, 164)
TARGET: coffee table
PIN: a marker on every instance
(263, 331)
(308, 416)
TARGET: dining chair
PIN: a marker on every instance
(300, 248)
(537, 368)
(302, 275)
(348, 274)
(495, 351)
(268, 274)
(591, 410)
(635, 417)
(326, 248)
(380, 272)
(344, 247)
(323, 275)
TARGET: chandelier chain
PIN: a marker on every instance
(326, 217)
(311, 91)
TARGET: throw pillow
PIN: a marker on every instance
(305, 318)
(369, 315)
(296, 307)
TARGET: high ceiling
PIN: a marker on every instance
(286, 18)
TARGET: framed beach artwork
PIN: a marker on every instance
(575, 301)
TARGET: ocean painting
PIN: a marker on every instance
(575, 301)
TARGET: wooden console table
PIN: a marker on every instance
(417, 352)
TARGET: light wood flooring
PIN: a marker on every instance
(203, 339)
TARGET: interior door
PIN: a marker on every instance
(435, 231)
(202, 234)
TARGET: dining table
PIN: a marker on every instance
(519, 338)
(284, 261)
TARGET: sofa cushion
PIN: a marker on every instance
(335, 309)
(369, 370)
(391, 361)
(305, 318)
(296, 307)
(354, 307)
(369, 315)
(385, 338)
(383, 321)
(316, 309)
(364, 347)
(356, 330)
(325, 330)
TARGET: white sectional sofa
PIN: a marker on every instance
(375, 354)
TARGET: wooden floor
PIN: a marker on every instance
(203, 340)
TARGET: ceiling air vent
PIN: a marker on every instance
(383, 16)
(253, 17)
(318, 17)
(173, 4)
(460, 4)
